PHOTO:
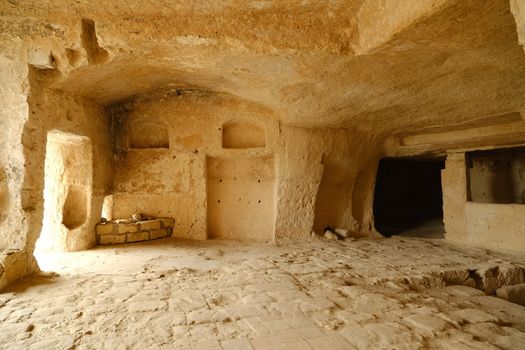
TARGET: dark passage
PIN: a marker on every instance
(408, 198)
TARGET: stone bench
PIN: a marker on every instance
(113, 233)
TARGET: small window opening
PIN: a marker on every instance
(496, 176)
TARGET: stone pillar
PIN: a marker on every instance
(454, 184)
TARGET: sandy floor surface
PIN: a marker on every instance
(397, 293)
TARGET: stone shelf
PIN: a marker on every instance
(114, 233)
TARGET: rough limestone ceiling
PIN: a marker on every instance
(384, 65)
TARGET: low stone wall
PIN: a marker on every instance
(113, 233)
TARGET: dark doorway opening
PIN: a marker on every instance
(408, 198)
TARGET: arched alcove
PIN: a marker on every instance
(243, 134)
(148, 134)
(75, 207)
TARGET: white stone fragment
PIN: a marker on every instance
(137, 217)
(342, 232)
(104, 229)
(40, 59)
(330, 235)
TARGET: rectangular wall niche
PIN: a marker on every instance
(240, 198)
(496, 176)
(243, 134)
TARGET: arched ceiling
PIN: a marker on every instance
(378, 64)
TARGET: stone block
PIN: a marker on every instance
(427, 324)
(111, 239)
(158, 233)
(138, 237)
(474, 316)
(127, 228)
(342, 232)
(168, 222)
(149, 225)
(105, 229)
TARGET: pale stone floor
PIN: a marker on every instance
(354, 294)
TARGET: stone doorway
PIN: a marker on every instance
(68, 180)
(408, 198)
